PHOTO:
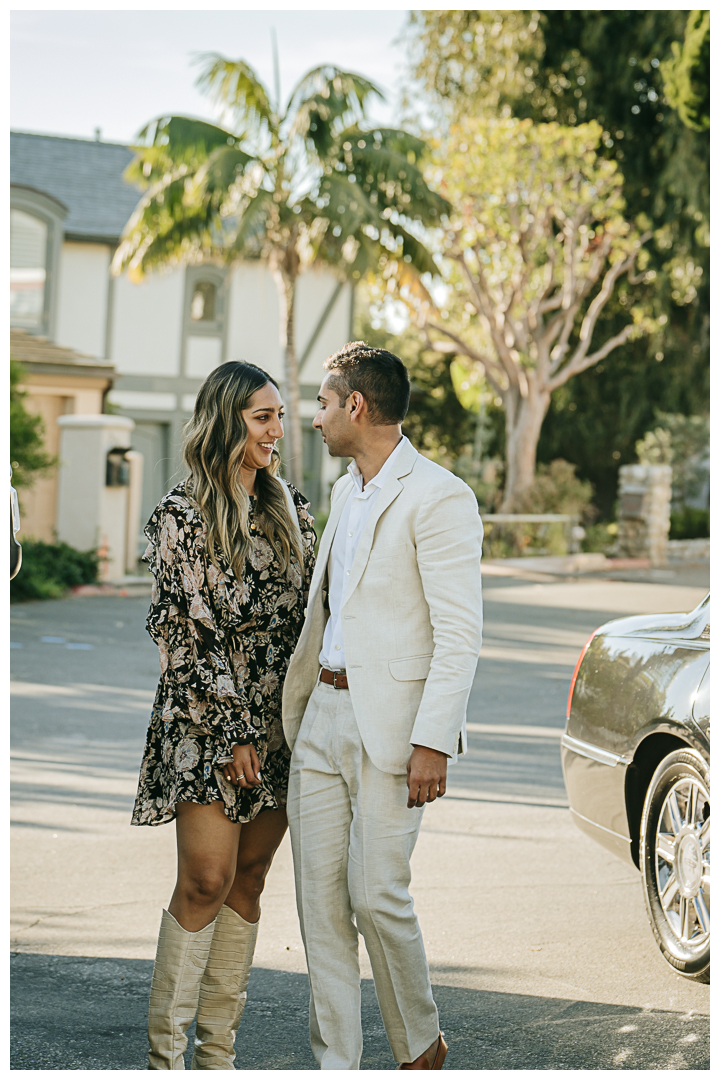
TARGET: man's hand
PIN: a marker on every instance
(426, 775)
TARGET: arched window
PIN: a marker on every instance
(28, 269)
(35, 239)
(202, 305)
(204, 321)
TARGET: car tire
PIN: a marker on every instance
(675, 861)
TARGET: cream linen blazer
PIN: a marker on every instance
(412, 616)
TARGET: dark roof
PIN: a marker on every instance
(41, 354)
(84, 175)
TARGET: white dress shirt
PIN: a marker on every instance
(350, 527)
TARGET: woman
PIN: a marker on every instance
(231, 550)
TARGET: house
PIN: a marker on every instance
(158, 339)
(58, 382)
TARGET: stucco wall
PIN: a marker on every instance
(51, 397)
(82, 297)
(313, 293)
(146, 324)
(253, 331)
(253, 318)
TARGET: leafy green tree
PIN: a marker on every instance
(684, 443)
(572, 66)
(27, 453)
(536, 246)
(309, 183)
(687, 73)
(436, 423)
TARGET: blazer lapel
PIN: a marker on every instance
(386, 496)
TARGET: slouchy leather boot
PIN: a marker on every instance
(223, 990)
(179, 965)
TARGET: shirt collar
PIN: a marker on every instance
(377, 481)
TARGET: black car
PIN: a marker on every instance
(636, 762)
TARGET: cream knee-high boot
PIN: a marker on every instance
(223, 990)
(179, 965)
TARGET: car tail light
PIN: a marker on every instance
(581, 657)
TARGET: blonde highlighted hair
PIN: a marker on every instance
(214, 449)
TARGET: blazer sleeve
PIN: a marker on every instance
(194, 655)
(448, 536)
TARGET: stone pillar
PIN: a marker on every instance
(645, 492)
(93, 513)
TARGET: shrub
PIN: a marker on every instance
(690, 523)
(27, 454)
(49, 570)
(556, 490)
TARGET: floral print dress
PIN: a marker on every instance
(225, 645)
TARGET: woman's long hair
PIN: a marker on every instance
(214, 449)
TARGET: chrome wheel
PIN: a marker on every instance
(682, 855)
(675, 861)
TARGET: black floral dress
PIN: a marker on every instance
(225, 645)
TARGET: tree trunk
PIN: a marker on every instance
(523, 421)
(292, 451)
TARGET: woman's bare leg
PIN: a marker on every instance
(259, 840)
(207, 847)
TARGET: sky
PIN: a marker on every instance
(74, 71)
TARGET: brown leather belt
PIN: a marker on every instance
(338, 679)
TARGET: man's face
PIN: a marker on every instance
(334, 421)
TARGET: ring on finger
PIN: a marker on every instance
(241, 776)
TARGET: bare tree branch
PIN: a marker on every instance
(482, 292)
(493, 371)
(599, 302)
(583, 364)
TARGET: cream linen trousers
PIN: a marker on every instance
(352, 837)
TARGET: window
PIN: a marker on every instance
(202, 305)
(204, 320)
(28, 270)
(36, 236)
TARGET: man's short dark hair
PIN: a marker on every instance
(379, 375)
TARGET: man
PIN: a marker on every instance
(374, 705)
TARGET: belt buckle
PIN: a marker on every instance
(335, 675)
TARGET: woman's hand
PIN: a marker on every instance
(244, 769)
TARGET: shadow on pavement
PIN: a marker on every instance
(71, 1012)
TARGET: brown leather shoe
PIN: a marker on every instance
(423, 1062)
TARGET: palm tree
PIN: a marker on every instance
(313, 183)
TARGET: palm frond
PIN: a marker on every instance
(251, 227)
(235, 85)
(325, 100)
(414, 251)
(344, 204)
(223, 168)
(169, 144)
(386, 164)
(170, 221)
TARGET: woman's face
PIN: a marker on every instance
(263, 419)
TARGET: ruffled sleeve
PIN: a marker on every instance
(309, 537)
(194, 653)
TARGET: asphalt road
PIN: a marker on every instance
(537, 939)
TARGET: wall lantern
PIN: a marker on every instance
(117, 469)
